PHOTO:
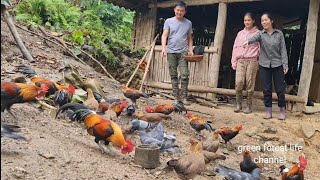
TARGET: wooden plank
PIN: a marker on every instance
(172, 3)
(309, 51)
(218, 42)
(201, 89)
(206, 50)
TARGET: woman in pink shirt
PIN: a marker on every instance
(245, 62)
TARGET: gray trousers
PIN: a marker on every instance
(175, 61)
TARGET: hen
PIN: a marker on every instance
(91, 102)
(211, 144)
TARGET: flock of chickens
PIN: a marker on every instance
(99, 115)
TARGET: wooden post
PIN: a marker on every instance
(309, 51)
(214, 65)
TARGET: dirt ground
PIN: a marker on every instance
(60, 149)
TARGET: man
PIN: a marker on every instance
(177, 31)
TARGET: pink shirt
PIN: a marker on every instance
(239, 52)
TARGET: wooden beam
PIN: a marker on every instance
(214, 65)
(171, 3)
(206, 50)
(309, 51)
(232, 92)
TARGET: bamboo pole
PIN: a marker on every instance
(135, 71)
(201, 89)
(148, 63)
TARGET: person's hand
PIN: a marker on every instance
(245, 44)
(190, 53)
(234, 67)
(163, 53)
(285, 71)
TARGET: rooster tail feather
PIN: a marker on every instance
(72, 106)
(145, 95)
(97, 96)
(209, 127)
(179, 107)
(13, 136)
(222, 170)
(24, 69)
(9, 132)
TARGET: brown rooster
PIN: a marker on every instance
(198, 124)
(296, 172)
(102, 129)
(91, 102)
(191, 164)
(133, 94)
(165, 108)
(151, 117)
(229, 133)
(12, 93)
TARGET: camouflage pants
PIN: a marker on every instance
(175, 61)
(246, 75)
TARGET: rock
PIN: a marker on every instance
(308, 130)
(19, 172)
(268, 137)
(270, 130)
(46, 155)
(251, 132)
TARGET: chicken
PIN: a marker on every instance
(138, 125)
(133, 94)
(12, 93)
(102, 129)
(232, 174)
(211, 156)
(103, 106)
(130, 110)
(198, 124)
(118, 107)
(191, 164)
(151, 117)
(211, 144)
(247, 165)
(10, 131)
(296, 172)
(99, 98)
(53, 86)
(229, 133)
(165, 108)
(91, 102)
(62, 97)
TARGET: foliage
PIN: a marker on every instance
(96, 23)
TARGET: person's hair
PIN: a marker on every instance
(181, 4)
(252, 16)
(270, 16)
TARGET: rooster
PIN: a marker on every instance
(9, 131)
(102, 129)
(229, 133)
(247, 165)
(151, 117)
(130, 110)
(165, 108)
(133, 94)
(118, 107)
(296, 172)
(12, 93)
(191, 164)
(198, 124)
(103, 106)
(62, 97)
(232, 174)
(38, 81)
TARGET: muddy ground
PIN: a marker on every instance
(59, 149)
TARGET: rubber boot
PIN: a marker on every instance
(239, 97)
(268, 113)
(282, 114)
(184, 93)
(248, 110)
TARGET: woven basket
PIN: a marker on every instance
(194, 58)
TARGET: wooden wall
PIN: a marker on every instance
(199, 71)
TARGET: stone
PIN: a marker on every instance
(268, 137)
(251, 132)
(270, 130)
(46, 155)
(308, 130)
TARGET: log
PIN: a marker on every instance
(16, 36)
(232, 92)
(171, 3)
(218, 42)
(148, 63)
(206, 50)
(309, 52)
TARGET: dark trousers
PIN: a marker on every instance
(266, 75)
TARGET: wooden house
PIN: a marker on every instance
(215, 25)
